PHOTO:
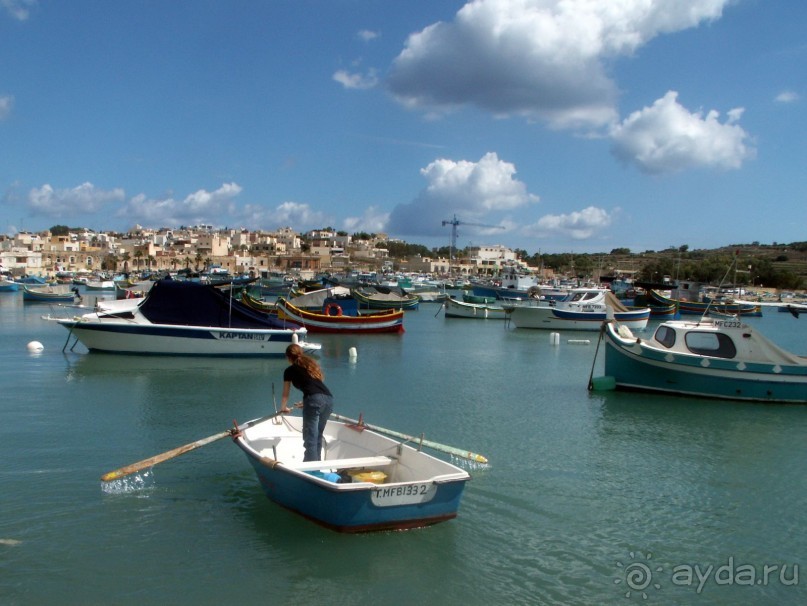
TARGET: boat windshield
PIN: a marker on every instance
(713, 344)
(666, 336)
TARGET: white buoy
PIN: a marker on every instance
(295, 338)
(554, 338)
(352, 353)
(35, 346)
(579, 341)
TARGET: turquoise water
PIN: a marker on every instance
(586, 491)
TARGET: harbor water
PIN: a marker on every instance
(590, 497)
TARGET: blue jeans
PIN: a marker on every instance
(316, 410)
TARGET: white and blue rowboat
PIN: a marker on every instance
(711, 359)
(184, 318)
(581, 309)
(366, 481)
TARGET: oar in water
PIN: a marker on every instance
(458, 452)
(175, 452)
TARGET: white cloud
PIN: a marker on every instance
(199, 207)
(541, 59)
(297, 214)
(372, 221)
(579, 225)
(18, 9)
(367, 35)
(472, 190)
(787, 96)
(84, 199)
(667, 138)
(356, 81)
(6, 104)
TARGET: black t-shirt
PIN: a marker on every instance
(300, 378)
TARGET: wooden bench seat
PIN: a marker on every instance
(378, 461)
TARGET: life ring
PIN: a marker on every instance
(333, 307)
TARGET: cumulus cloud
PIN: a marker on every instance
(367, 35)
(541, 59)
(18, 9)
(578, 225)
(6, 104)
(297, 215)
(356, 80)
(471, 190)
(84, 199)
(199, 207)
(373, 221)
(666, 137)
(787, 96)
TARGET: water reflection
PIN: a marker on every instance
(96, 364)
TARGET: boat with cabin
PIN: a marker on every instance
(709, 358)
(581, 309)
(184, 318)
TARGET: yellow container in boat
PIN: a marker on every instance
(365, 475)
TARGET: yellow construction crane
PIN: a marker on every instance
(453, 242)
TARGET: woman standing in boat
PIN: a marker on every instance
(306, 375)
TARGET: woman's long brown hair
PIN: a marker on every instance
(296, 356)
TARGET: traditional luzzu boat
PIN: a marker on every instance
(373, 298)
(333, 320)
(184, 318)
(582, 309)
(366, 481)
(699, 307)
(478, 311)
(59, 293)
(710, 358)
(8, 285)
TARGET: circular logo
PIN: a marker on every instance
(637, 576)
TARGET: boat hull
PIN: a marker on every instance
(477, 311)
(390, 321)
(354, 510)
(166, 339)
(550, 318)
(638, 368)
(385, 301)
(415, 490)
(47, 294)
(701, 307)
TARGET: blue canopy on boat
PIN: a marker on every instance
(195, 304)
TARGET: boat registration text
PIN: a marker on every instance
(408, 494)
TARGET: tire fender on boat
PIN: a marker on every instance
(333, 307)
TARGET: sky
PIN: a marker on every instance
(549, 126)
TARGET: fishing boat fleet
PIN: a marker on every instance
(373, 479)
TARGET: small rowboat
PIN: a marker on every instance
(375, 299)
(481, 311)
(49, 294)
(366, 481)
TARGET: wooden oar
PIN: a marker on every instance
(170, 454)
(458, 452)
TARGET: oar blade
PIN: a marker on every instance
(170, 454)
(180, 450)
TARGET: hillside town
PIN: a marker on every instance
(238, 252)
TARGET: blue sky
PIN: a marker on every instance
(573, 126)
